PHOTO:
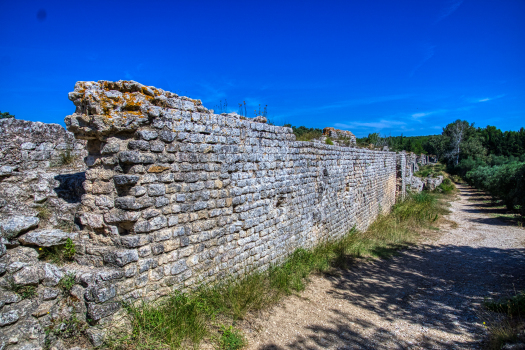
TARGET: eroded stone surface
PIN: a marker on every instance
(45, 238)
(13, 226)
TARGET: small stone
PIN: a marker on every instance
(92, 220)
(96, 336)
(157, 169)
(125, 180)
(148, 135)
(167, 136)
(29, 275)
(110, 148)
(6, 170)
(15, 225)
(98, 311)
(45, 238)
(43, 309)
(156, 190)
(138, 191)
(101, 292)
(50, 294)
(8, 317)
(52, 275)
(134, 241)
(121, 257)
(27, 146)
(130, 157)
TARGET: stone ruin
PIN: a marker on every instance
(159, 194)
(340, 137)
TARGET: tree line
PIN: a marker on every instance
(487, 158)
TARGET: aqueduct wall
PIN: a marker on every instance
(173, 196)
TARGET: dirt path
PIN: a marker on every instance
(425, 298)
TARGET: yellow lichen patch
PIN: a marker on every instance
(157, 169)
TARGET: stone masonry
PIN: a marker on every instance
(173, 196)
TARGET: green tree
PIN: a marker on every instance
(6, 115)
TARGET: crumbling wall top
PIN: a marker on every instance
(104, 107)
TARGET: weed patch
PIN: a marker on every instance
(230, 339)
(58, 254)
(43, 212)
(510, 328)
(67, 282)
(25, 292)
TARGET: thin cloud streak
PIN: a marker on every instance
(382, 124)
(447, 11)
(428, 53)
(486, 99)
(347, 103)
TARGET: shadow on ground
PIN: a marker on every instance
(435, 287)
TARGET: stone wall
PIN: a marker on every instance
(173, 196)
(176, 195)
(26, 145)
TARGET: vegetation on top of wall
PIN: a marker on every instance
(6, 115)
(184, 320)
(302, 133)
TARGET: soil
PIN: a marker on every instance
(427, 297)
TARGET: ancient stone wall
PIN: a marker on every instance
(173, 196)
(176, 195)
(26, 145)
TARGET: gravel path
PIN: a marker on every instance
(427, 297)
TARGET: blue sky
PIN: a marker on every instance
(391, 67)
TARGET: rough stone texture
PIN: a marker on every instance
(45, 238)
(29, 145)
(13, 226)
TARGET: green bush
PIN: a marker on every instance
(505, 181)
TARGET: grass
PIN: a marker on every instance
(184, 320)
(58, 254)
(67, 282)
(66, 226)
(511, 328)
(66, 328)
(447, 186)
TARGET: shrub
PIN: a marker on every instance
(329, 141)
(67, 282)
(501, 181)
(6, 115)
(65, 158)
(511, 306)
